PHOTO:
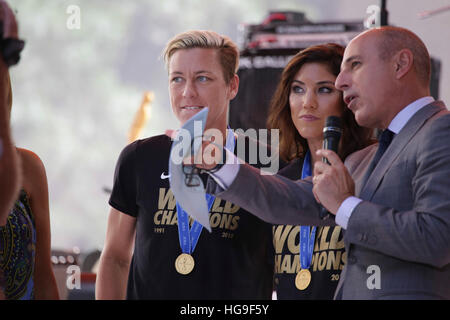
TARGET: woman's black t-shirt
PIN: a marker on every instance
(235, 261)
(328, 259)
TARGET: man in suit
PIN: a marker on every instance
(396, 210)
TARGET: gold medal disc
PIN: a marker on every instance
(303, 279)
(184, 263)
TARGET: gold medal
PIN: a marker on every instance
(184, 263)
(303, 279)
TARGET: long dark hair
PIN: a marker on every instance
(292, 144)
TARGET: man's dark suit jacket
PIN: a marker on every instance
(401, 229)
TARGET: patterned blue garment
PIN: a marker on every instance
(17, 251)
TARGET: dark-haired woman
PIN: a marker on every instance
(309, 259)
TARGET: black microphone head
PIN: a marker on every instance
(333, 127)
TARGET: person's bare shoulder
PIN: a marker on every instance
(34, 176)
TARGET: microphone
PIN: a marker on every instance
(331, 136)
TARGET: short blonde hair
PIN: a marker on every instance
(227, 49)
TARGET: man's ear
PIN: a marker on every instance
(234, 87)
(403, 63)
